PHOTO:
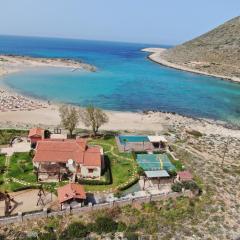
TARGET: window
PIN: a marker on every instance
(90, 170)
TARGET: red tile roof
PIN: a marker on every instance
(64, 150)
(185, 175)
(36, 132)
(71, 191)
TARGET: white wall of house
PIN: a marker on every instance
(90, 171)
(36, 164)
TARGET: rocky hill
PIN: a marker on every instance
(216, 52)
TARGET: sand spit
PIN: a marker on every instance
(157, 55)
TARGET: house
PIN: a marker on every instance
(184, 176)
(72, 195)
(58, 159)
(35, 135)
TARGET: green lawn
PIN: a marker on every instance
(123, 166)
(21, 167)
(2, 160)
(176, 163)
(2, 167)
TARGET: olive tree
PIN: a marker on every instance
(93, 117)
(69, 118)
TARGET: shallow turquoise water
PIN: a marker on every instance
(126, 80)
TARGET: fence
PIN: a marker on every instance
(45, 213)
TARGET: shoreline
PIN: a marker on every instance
(155, 56)
(47, 115)
(13, 100)
(15, 63)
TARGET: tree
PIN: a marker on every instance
(94, 118)
(69, 118)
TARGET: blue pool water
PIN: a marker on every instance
(129, 139)
(126, 80)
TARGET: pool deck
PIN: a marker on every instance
(136, 146)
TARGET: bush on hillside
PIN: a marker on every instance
(104, 225)
(177, 187)
(131, 236)
(74, 230)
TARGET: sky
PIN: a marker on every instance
(145, 21)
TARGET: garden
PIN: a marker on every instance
(120, 172)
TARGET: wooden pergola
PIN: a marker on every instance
(51, 169)
(10, 203)
(158, 175)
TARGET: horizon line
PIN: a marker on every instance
(84, 39)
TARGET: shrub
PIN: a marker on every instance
(131, 236)
(104, 225)
(129, 184)
(172, 173)
(92, 182)
(140, 171)
(121, 227)
(118, 194)
(191, 185)
(31, 153)
(74, 230)
(47, 236)
(2, 169)
(177, 187)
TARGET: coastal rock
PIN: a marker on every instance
(215, 53)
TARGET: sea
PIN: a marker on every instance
(125, 80)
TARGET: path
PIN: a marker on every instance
(7, 163)
(111, 150)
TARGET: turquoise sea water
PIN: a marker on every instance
(126, 80)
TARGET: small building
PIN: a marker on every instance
(35, 135)
(67, 158)
(184, 176)
(158, 142)
(72, 195)
(156, 177)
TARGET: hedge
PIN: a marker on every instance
(129, 184)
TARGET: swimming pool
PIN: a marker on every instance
(129, 139)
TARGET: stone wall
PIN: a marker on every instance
(20, 217)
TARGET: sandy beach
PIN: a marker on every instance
(11, 63)
(157, 55)
(17, 111)
(150, 122)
